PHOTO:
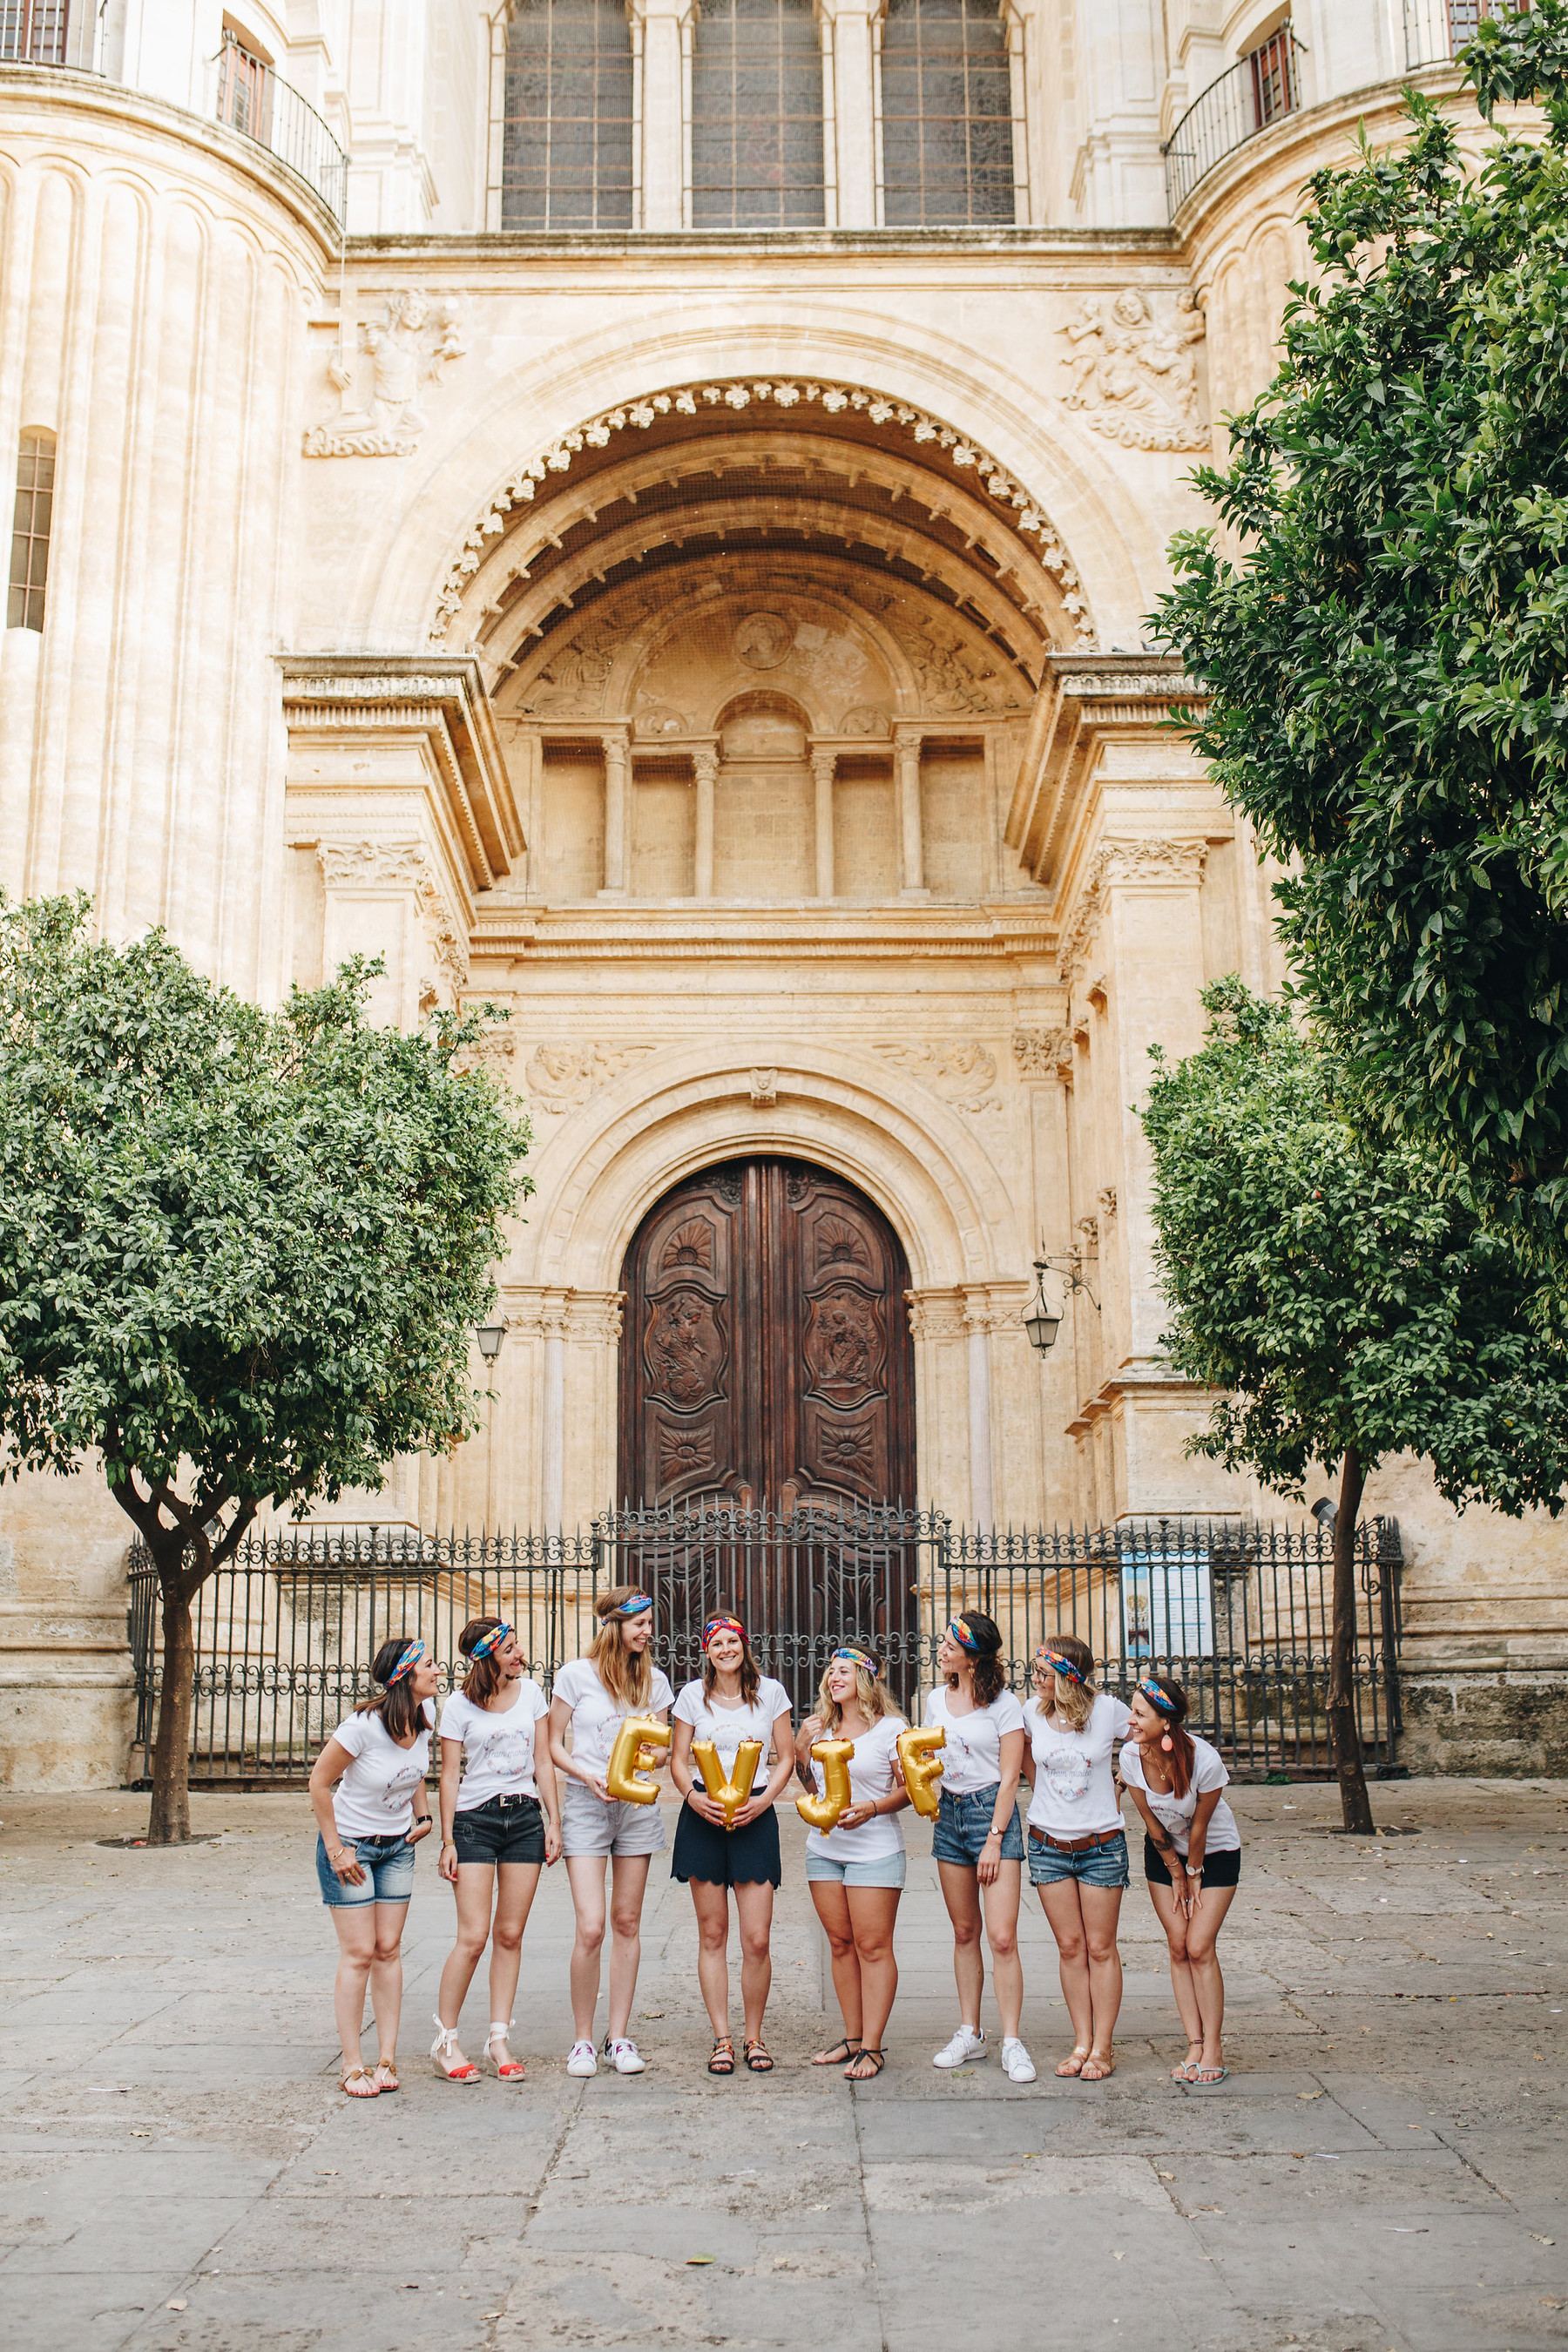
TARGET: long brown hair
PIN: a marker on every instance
(750, 1672)
(987, 1673)
(1075, 1701)
(484, 1676)
(398, 1708)
(1178, 1758)
(626, 1674)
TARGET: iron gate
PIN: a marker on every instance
(1238, 1612)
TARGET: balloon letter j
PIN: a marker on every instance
(731, 1794)
(624, 1782)
(918, 1753)
(822, 1812)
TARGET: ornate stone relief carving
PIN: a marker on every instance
(1040, 1052)
(573, 679)
(866, 719)
(403, 865)
(763, 640)
(689, 400)
(560, 1078)
(936, 1314)
(1106, 1196)
(1135, 381)
(950, 675)
(409, 346)
(962, 1074)
(1123, 861)
(765, 1085)
(495, 1052)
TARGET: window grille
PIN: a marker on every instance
(756, 116)
(31, 530)
(1274, 90)
(566, 159)
(947, 114)
(33, 32)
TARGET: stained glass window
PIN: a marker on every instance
(756, 116)
(947, 114)
(31, 530)
(566, 152)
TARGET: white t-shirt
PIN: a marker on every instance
(1075, 1795)
(375, 1796)
(871, 1776)
(1175, 1814)
(972, 1759)
(498, 1744)
(597, 1717)
(726, 1727)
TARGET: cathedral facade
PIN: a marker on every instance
(642, 514)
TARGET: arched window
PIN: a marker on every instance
(31, 530)
(566, 152)
(947, 114)
(756, 116)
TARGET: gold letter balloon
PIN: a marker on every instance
(918, 1753)
(822, 1812)
(731, 1794)
(623, 1780)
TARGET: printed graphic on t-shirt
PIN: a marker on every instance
(506, 1753)
(1067, 1771)
(401, 1787)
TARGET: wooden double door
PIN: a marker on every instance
(765, 1352)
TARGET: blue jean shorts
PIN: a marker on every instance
(877, 1870)
(963, 1824)
(388, 1864)
(1092, 1865)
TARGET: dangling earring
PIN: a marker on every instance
(1167, 1743)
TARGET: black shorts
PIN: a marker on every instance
(727, 1857)
(1219, 1869)
(503, 1829)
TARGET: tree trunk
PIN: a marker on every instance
(1344, 1733)
(170, 1823)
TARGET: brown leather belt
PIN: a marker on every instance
(1078, 1844)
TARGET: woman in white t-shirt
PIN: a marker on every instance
(367, 1793)
(1078, 1846)
(731, 1700)
(1192, 1860)
(856, 1870)
(593, 1698)
(501, 1824)
(977, 1843)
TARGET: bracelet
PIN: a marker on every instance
(1194, 1873)
(448, 1842)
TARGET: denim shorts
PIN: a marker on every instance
(388, 1864)
(963, 1824)
(877, 1870)
(503, 1829)
(1092, 1865)
(620, 1827)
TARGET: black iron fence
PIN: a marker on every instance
(1238, 1612)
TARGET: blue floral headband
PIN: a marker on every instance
(1062, 1666)
(490, 1641)
(1156, 1696)
(962, 1636)
(410, 1658)
(864, 1659)
(634, 1607)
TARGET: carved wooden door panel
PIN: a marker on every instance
(765, 1352)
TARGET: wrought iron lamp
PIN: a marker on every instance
(490, 1337)
(1041, 1321)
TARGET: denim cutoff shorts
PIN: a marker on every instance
(878, 1870)
(388, 1864)
(1092, 1865)
(963, 1824)
(503, 1829)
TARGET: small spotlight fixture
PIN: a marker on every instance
(1325, 1513)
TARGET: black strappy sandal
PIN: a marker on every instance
(842, 2050)
(880, 2057)
(723, 2059)
(756, 2057)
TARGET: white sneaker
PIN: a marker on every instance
(1016, 2062)
(580, 2059)
(626, 2055)
(968, 2042)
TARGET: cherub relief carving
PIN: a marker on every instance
(1135, 381)
(408, 347)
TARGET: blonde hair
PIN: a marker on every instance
(1074, 1701)
(626, 1674)
(876, 1701)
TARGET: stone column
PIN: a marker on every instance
(854, 160)
(661, 132)
(617, 812)
(907, 773)
(982, 1487)
(705, 762)
(823, 763)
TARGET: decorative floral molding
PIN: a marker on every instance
(688, 401)
(1135, 381)
(560, 1078)
(961, 1073)
(947, 675)
(936, 1314)
(1132, 685)
(1124, 862)
(410, 345)
(494, 1051)
(404, 866)
(1040, 1052)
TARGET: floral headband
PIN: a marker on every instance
(721, 1625)
(634, 1607)
(1156, 1696)
(962, 1636)
(864, 1659)
(410, 1658)
(1061, 1665)
(490, 1641)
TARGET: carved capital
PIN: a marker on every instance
(936, 1314)
(1041, 1052)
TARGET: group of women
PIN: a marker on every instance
(513, 1798)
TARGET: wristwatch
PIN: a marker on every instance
(1194, 1873)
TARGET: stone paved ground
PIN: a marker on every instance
(1385, 2167)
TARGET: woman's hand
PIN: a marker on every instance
(705, 1807)
(601, 1787)
(347, 1866)
(552, 1841)
(989, 1869)
(751, 1811)
(421, 1827)
(447, 1866)
(853, 1816)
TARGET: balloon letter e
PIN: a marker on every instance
(731, 1794)
(624, 1782)
(822, 1812)
(922, 1768)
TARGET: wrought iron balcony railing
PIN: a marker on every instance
(258, 103)
(1245, 99)
(33, 32)
(1435, 30)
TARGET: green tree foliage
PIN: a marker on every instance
(1388, 657)
(241, 1250)
(1346, 1303)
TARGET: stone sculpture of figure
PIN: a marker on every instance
(408, 348)
(1135, 381)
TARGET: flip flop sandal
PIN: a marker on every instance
(878, 2059)
(1207, 2076)
(842, 2050)
(1072, 2067)
(723, 2059)
(387, 2066)
(1107, 2067)
(756, 2057)
(359, 2075)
